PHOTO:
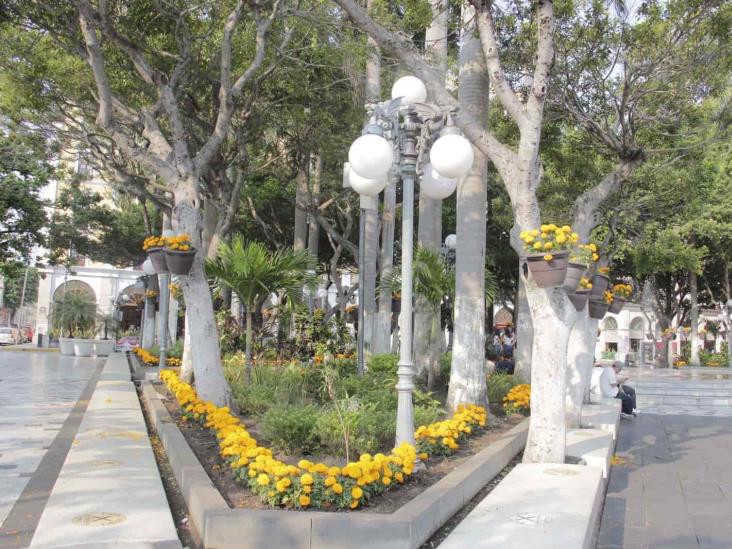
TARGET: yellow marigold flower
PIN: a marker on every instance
(537, 245)
(306, 479)
(304, 500)
(330, 481)
(307, 489)
(337, 488)
(566, 228)
(561, 239)
(263, 479)
(423, 456)
(548, 257)
(354, 504)
(356, 492)
(386, 481)
(399, 476)
(548, 245)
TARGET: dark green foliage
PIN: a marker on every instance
(289, 427)
(385, 364)
(499, 385)
(317, 335)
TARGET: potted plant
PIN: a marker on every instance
(580, 259)
(548, 253)
(599, 307)
(179, 254)
(600, 282)
(74, 317)
(621, 293)
(84, 341)
(105, 345)
(155, 248)
(580, 295)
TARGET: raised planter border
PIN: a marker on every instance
(221, 527)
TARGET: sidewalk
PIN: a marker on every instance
(109, 492)
(672, 488)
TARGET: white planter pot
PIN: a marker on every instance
(83, 347)
(103, 347)
(66, 345)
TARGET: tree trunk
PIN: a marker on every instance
(524, 332)
(467, 375)
(210, 382)
(694, 336)
(579, 367)
(435, 349)
(553, 315)
(186, 367)
(591, 338)
(371, 241)
(248, 352)
(429, 231)
(382, 323)
(148, 328)
(302, 199)
(316, 172)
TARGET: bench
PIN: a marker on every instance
(593, 447)
(605, 417)
(538, 505)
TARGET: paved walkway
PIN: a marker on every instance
(673, 485)
(42, 400)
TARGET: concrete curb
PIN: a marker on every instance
(221, 527)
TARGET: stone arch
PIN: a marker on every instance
(78, 287)
(609, 324)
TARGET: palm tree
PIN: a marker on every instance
(254, 273)
(75, 316)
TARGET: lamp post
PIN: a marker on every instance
(399, 133)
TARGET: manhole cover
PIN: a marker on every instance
(561, 472)
(99, 519)
(106, 463)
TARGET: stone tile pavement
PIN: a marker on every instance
(40, 409)
(672, 487)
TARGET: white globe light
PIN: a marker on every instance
(451, 241)
(147, 267)
(371, 156)
(435, 186)
(411, 89)
(366, 186)
(452, 156)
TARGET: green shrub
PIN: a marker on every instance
(385, 364)
(713, 360)
(290, 427)
(499, 385)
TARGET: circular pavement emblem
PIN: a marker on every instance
(99, 519)
(561, 472)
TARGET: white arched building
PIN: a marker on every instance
(102, 283)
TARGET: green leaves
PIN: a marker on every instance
(253, 272)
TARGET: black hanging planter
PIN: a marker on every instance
(600, 283)
(579, 298)
(548, 274)
(598, 308)
(180, 262)
(575, 271)
(617, 305)
(157, 258)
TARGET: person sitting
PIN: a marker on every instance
(505, 365)
(622, 387)
(604, 383)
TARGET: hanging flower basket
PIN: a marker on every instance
(575, 271)
(180, 262)
(598, 307)
(579, 298)
(600, 283)
(548, 270)
(157, 258)
(617, 305)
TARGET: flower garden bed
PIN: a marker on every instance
(411, 511)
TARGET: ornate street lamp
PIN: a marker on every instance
(163, 282)
(405, 128)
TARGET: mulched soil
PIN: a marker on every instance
(203, 443)
(186, 533)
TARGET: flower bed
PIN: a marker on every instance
(317, 485)
(150, 359)
(518, 400)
